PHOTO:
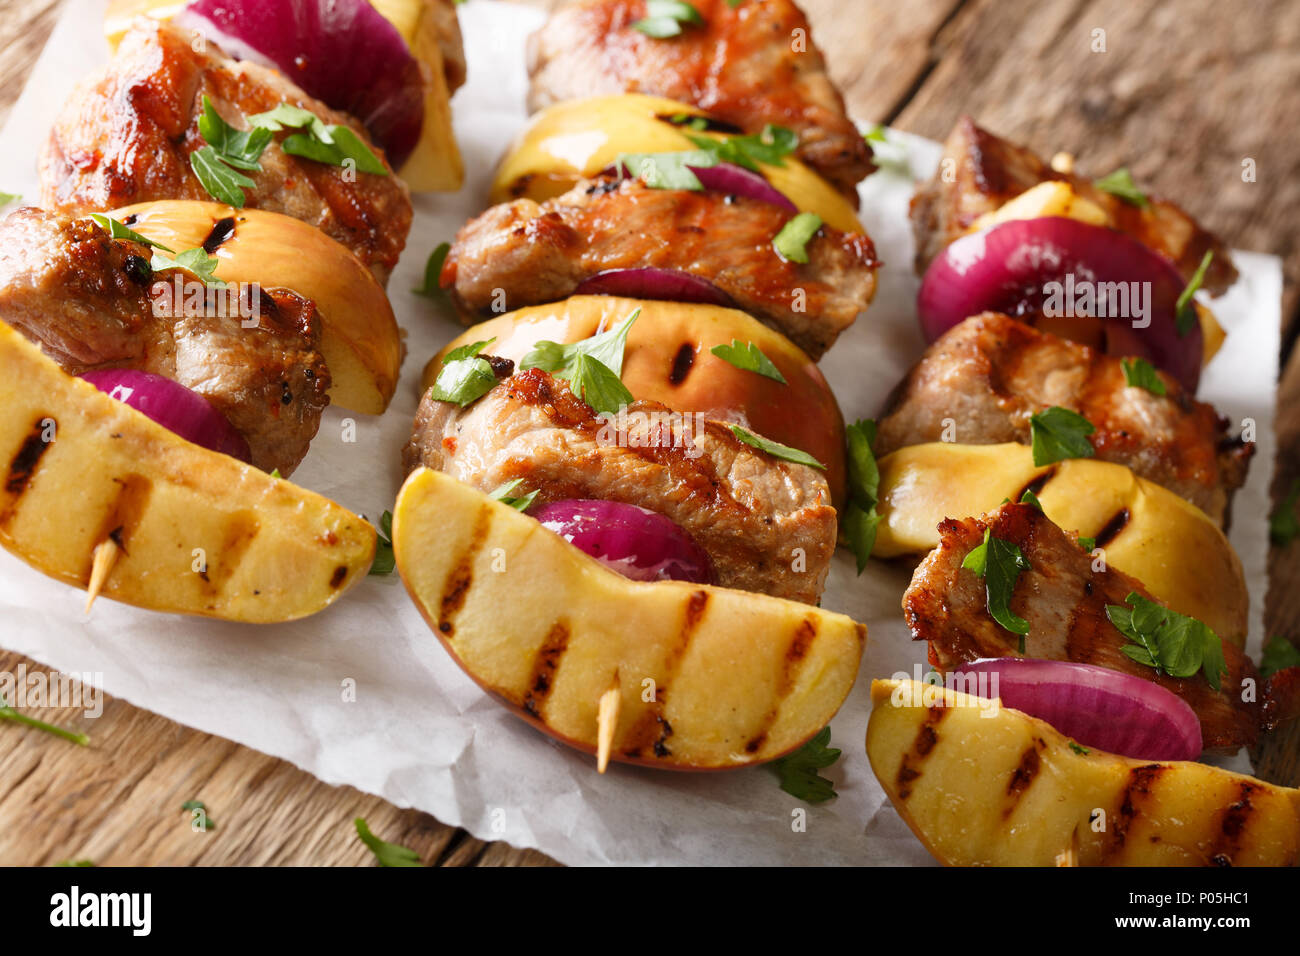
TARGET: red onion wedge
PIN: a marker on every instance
(172, 405)
(343, 52)
(1097, 706)
(667, 284)
(1045, 269)
(639, 544)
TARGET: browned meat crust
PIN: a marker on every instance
(767, 525)
(987, 171)
(90, 301)
(989, 374)
(540, 253)
(1064, 601)
(125, 136)
(744, 65)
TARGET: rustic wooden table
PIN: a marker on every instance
(1182, 94)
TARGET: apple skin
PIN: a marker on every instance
(668, 359)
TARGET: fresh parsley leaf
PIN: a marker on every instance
(432, 270)
(275, 473)
(384, 561)
(769, 147)
(1087, 543)
(1058, 433)
(8, 713)
(1172, 643)
(1185, 310)
(592, 367)
(192, 260)
(860, 517)
(288, 116)
(468, 351)
(344, 145)
(239, 148)
(7, 198)
(386, 854)
(223, 183)
(666, 170)
(886, 153)
(75, 863)
(1139, 373)
(1029, 498)
(189, 806)
(1120, 183)
(776, 449)
(1079, 749)
(502, 494)
(798, 771)
(664, 18)
(1283, 526)
(464, 380)
(1279, 654)
(119, 231)
(792, 241)
(748, 358)
(875, 135)
(999, 563)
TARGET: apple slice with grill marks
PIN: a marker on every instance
(709, 678)
(197, 532)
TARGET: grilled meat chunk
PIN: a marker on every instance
(991, 373)
(91, 301)
(540, 253)
(988, 171)
(740, 65)
(1064, 601)
(126, 135)
(751, 513)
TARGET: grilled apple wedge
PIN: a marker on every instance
(359, 335)
(707, 678)
(987, 785)
(197, 532)
(1145, 530)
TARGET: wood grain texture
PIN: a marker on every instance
(1185, 91)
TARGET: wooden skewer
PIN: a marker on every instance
(606, 723)
(1070, 855)
(106, 553)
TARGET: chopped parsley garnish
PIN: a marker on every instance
(875, 135)
(1087, 543)
(665, 18)
(1120, 184)
(860, 517)
(334, 144)
(432, 270)
(8, 713)
(1081, 750)
(1029, 498)
(1185, 317)
(667, 170)
(885, 153)
(999, 563)
(464, 377)
(1172, 643)
(386, 854)
(1283, 526)
(748, 358)
(194, 260)
(119, 231)
(592, 367)
(223, 183)
(1139, 373)
(792, 241)
(776, 449)
(384, 561)
(769, 147)
(189, 806)
(75, 863)
(502, 494)
(7, 198)
(798, 771)
(275, 473)
(1279, 654)
(1057, 434)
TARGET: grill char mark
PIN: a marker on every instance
(651, 729)
(456, 587)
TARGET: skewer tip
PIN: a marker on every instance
(606, 723)
(105, 557)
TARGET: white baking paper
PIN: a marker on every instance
(420, 733)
